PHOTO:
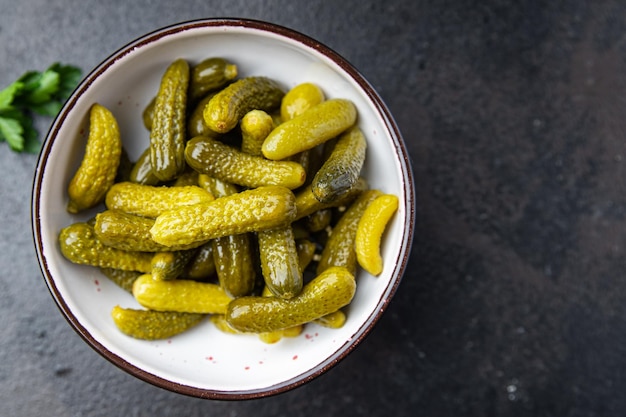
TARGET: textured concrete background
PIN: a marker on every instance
(514, 303)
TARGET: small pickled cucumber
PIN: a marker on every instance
(342, 168)
(79, 245)
(129, 232)
(299, 99)
(153, 325)
(247, 211)
(307, 203)
(170, 265)
(184, 296)
(201, 267)
(98, 169)
(255, 126)
(326, 293)
(196, 126)
(229, 105)
(150, 201)
(141, 172)
(234, 264)
(279, 262)
(216, 159)
(209, 75)
(339, 249)
(315, 126)
(168, 132)
(369, 232)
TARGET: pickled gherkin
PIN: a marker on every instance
(326, 293)
(247, 211)
(342, 168)
(150, 201)
(279, 262)
(209, 75)
(216, 159)
(229, 105)
(168, 132)
(153, 325)
(185, 296)
(79, 244)
(98, 169)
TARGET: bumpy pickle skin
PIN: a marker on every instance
(216, 159)
(339, 249)
(369, 232)
(98, 169)
(150, 201)
(184, 296)
(209, 75)
(255, 126)
(299, 99)
(128, 232)
(168, 132)
(279, 262)
(229, 105)
(315, 126)
(79, 245)
(153, 325)
(342, 168)
(326, 293)
(334, 320)
(247, 211)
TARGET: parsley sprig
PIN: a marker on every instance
(35, 92)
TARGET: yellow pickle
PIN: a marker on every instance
(153, 325)
(98, 169)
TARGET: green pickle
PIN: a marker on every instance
(342, 168)
(79, 244)
(168, 132)
(209, 75)
(153, 325)
(196, 126)
(307, 204)
(228, 106)
(202, 266)
(170, 265)
(234, 264)
(184, 296)
(247, 211)
(123, 279)
(141, 172)
(279, 262)
(216, 159)
(324, 294)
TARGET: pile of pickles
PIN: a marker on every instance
(247, 206)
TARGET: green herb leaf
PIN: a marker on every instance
(42, 93)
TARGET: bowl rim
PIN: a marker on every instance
(292, 35)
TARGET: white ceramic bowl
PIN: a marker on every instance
(205, 362)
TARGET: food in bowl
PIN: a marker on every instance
(244, 309)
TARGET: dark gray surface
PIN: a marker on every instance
(514, 299)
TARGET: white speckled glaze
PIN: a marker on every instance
(205, 362)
